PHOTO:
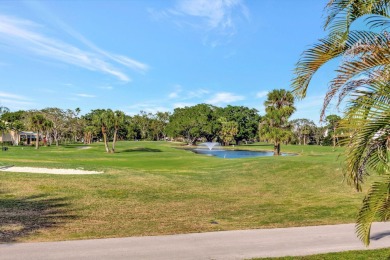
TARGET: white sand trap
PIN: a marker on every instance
(46, 170)
(84, 147)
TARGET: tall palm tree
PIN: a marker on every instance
(364, 77)
(118, 119)
(47, 126)
(104, 120)
(279, 106)
(333, 121)
(3, 110)
(37, 122)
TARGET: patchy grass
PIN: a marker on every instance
(153, 188)
(377, 254)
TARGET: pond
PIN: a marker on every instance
(233, 154)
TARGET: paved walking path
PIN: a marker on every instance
(241, 244)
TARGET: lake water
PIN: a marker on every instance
(232, 154)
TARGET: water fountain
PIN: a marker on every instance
(210, 145)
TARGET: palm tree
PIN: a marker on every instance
(89, 131)
(37, 122)
(333, 122)
(364, 77)
(47, 126)
(104, 120)
(118, 119)
(367, 121)
(279, 106)
(3, 110)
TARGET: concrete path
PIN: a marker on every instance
(241, 244)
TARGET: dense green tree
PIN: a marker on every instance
(194, 122)
(143, 123)
(89, 132)
(12, 116)
(229, 130)
(319, 134)
(158, 125)
(13, 121)
(274, 126)
(60, 123)
(247, 120)
(363, 75)
(3, 128)
(303, 129)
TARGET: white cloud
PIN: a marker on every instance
(23, 35)
(261, 94)
(12, 96)
(148, 107)
(16, 104)
(14, 101)
(179, 93)
(173, 95)
(176, 92)
(313, 102)
(216, 19)
(197, 93)
(216, 14)
(85, 95)
(224, 98)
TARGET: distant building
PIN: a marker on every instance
(22, 137)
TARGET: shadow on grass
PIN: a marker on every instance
(20, 217)
(73, 146)
(150, 150)
(255, 145)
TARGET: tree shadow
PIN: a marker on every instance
(380, 235)
(141, 149)
(255, 145)
(73, 146)
(20, 217)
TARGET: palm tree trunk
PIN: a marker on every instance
(113, 141)
(277, 149)
(37, 141)
(105, 139)
(105, 142)
(334, 138)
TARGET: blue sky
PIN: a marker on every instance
(156, 55)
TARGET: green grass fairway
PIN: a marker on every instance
(152, 188)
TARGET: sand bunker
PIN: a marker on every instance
(84, 147)
(46, 170)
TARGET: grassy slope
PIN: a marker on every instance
(151, 188)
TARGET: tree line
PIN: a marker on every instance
(203, 122)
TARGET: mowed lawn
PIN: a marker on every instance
(153, 188)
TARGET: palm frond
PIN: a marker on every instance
(342, 13)
(367, 123)
(378, 21)
(375, 204)
(327, 49)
